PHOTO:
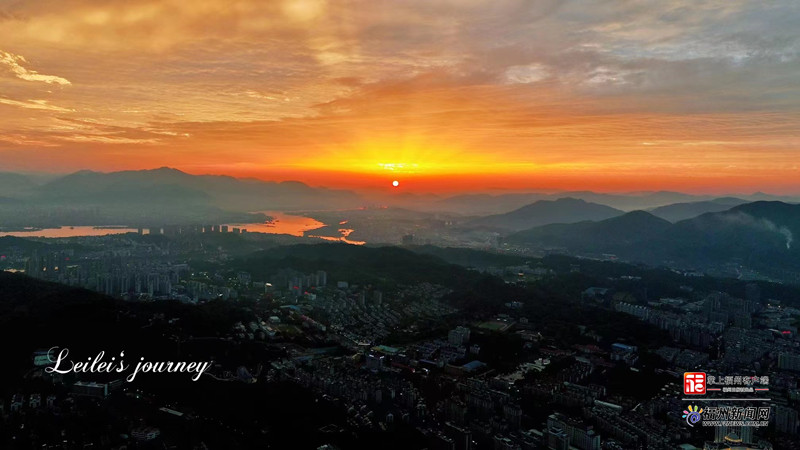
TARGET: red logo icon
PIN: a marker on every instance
(694, 383)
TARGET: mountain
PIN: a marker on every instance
(605, 236)
(682, 211)
(750, 240)
(12, 184)
(144, 186)
(160, 197)
(469, 257)
(172, 185)
(543, 212)
(636, 200)
(367, 265)
(484, 204)
(761, 196)
(743, 230)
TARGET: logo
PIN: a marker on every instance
(732, 416)
(694, 383)
(692, 414)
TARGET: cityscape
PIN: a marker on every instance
(401, 346)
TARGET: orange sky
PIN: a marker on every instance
(442, 95)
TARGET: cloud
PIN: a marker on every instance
(526, 74)
(531, 83)
(42, 105)
(14, 63)
(761, 223)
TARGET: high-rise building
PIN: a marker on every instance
(786, 419)
(458, 336)
(788, 361)
(462, 437)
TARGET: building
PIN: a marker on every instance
(788, 361)
(625, 353)
(557, 439)
(90, 389)
(374, 362)
(145, 433)
(786, 420)
(42, 358)
(594, 293)
(462, 437)
(564, 432)
(458, 336)
(728, 435)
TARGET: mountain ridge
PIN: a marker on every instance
(543, 212)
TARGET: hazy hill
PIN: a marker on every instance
(358, 264)
(468, 257)
(682, 211)
(171, 185)
(158, 197)
(485, 204)
(494, 204)
(12, 184)
(636, 200)
(163, 186)
(543, 212)
(601, 236)
(751, 227)
(757, 237)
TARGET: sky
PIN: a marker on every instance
(441, 95)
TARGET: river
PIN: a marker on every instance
(281, 223)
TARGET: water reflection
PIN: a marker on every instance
(65, 232)
(280, 223)
(295, 225)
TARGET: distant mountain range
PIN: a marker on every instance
(170, 196)
(543, 212)
(12, 184)
(486, 204)
(159, 196)
(172, 185)
(756, 236)
(596, 236)
(682, 211)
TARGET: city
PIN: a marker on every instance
(519, 353)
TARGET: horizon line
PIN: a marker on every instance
(488, 190)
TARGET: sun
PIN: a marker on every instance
(395, 183)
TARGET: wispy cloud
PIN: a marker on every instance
(42, 105)
(15, 64)
(523, 84)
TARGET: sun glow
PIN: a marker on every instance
(399, 167)
(406, 155)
